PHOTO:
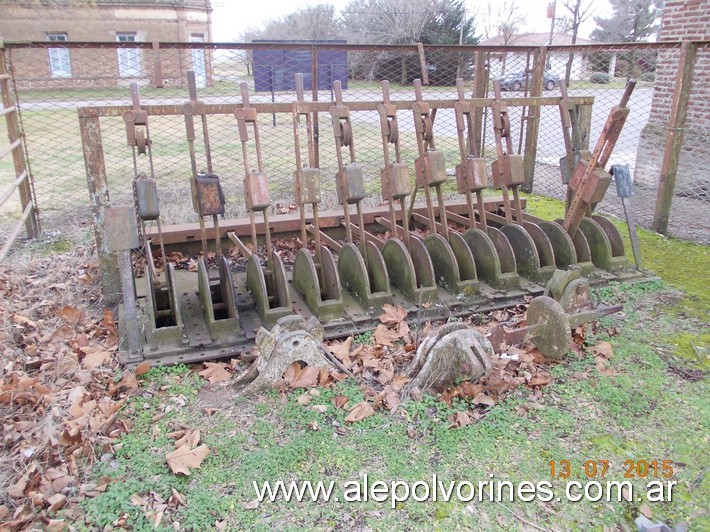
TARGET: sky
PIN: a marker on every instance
(231, 17)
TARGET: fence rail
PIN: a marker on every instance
(50, 87)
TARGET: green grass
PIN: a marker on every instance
(643, 411)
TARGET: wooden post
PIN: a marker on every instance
(533, 119)
(157, 66)
(480, 84)
(14, 133)
(90, 127)
(422, 64)
(584, 127)
(674, 138)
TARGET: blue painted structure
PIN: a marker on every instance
(274, 70)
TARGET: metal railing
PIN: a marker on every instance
(99, 76)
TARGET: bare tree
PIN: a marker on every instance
(384, 22)
(310, 23)
(579, 11)
(504, 19)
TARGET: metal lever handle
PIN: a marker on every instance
(135, 97)
(386, 92)
(299, 87)
(338, 92)
(418, 90)
(627, 92)
(192, 85)
(244, 86)
(460, 87)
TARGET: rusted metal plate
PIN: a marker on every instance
(210, 198)
(120, 229)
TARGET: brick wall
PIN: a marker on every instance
(92, 67)
(682, 20)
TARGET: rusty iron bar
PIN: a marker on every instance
(389, 128)
(586, 181)
(317, 107)
(468, 151)
(343, 133)
(290, 223)
(247, 115)
(501, 128)
(189, 109)
(674, 138)
(299, 167)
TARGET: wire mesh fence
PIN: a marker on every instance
(52, 82)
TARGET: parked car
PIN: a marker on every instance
(516, 81)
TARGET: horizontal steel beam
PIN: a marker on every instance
(291, 223)
(321, 107)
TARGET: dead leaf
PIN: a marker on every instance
(340, 401)
(71, 315)
(252, 505)
(25, 322)
(541, 378)
(183, 459)
(56, 502)
(320, 408)
(392, 400)
(142, 368)
(645, 509)
(484, 399)
(392, 314)
(215, 372)
(359, 411)
(341, 350)
(460, 419)
(306, 377)
(95, 359)
(191, 439)
(304, 399)
(385, 336)
(603, 349)
(177, 498)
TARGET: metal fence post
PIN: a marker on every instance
(90, 127)
(533, 119)
(15, 134)
(674, 138)
(314, 95)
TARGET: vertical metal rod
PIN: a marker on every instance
(361, 226)
(254, 241)
(217, 237)
(130, 307)
(267, 235)
(442, 212)
(162, 246)
(316, 222)
(482, 211)
(405, 223)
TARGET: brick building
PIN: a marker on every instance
(682, 20)
(120, 21)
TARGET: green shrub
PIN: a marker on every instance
(600, 77)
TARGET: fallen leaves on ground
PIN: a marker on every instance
(60, 388)
(216, 372)
(359, 412)
(185, 458)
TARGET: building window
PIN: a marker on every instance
(199, 65)
(59, 63)
(129, 59)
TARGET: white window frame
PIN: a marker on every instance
(129, 59)
(59, 60)
(199, 61)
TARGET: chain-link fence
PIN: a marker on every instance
(52, 82)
